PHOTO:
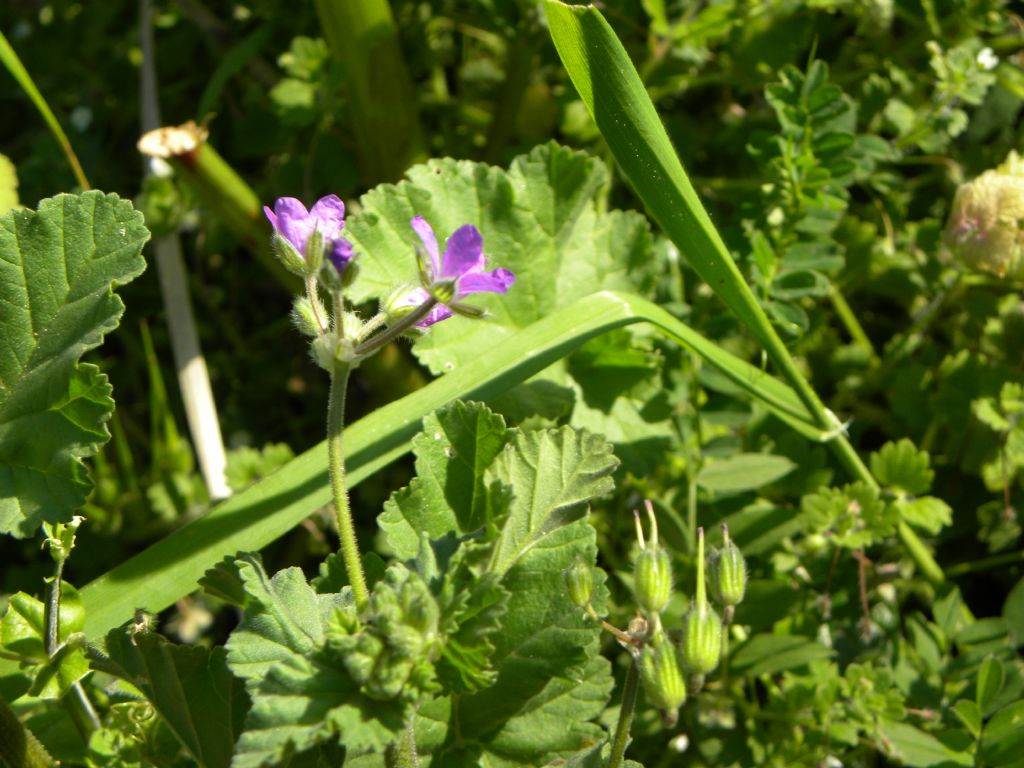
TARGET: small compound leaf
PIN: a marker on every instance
(903, 468)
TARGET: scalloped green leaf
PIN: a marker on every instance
(59, 267)
(302, 696)
(902, 467)
(457, 444)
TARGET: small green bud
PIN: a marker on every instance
(323, 350)
(663, 682)
(443, 290)
(652, 573)
(306, 318)
(292, 260)
(328, 276)
(579, 581)
(702, 639)
(402, 302)
(728, 572)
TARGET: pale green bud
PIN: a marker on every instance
(579, 581)
(286, 253)
(402, 301)
(662, 679)
(986, 223)
(307, 318)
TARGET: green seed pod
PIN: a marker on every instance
(652, 579)
(579, 581)
(702, 639)
(702, 629)
(728, 572)
(663, 681)
(652, 574)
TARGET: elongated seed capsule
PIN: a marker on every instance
(652, 573)
(728, 572)
(702, 628)
(662, 679)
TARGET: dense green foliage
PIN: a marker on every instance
(801, 345)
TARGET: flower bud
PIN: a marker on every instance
(402, 302)
(728, 572)
(702, 639)
(292, 260)
(329, 277)
(306, 318)
(663, 682)
(652, 574)
(444, 290)
(579, 581)
(986, 223)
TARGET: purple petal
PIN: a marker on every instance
(495, 281)
(426, 234)
(464, 253)
(294, 222)
(436, 315)
(271, 216)
(330, 211)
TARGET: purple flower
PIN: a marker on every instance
(462, 263)
(295, 225)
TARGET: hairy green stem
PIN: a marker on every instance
(396, 330)
(76, 701)
(336, 470)
(621, 739)
(402, 754)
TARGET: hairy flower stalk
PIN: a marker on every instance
(309, 244)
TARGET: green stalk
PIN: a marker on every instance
(10, 59)
(396, 330)
(852, 324)
(336, 470)
(621, 738)
(363, 35)
(610, 87)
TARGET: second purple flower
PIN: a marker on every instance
(461, 265)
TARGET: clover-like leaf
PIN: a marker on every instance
(903, 468)
(854, 514)
(58, 269)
